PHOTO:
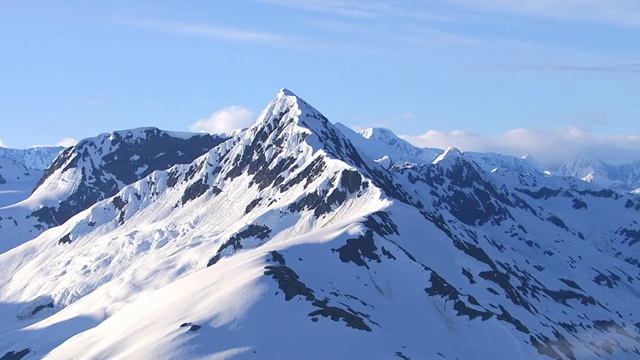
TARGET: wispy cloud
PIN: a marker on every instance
(374, 9)
(225, 120)
(66, 142)
(222, 33)
(205, 30)
(621, 12)
(550, 147)
(616, 68)
(353, 8)
(2, 144)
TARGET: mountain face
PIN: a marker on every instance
(95, 169)
(623, 177)
(37, 158)
(291, 233)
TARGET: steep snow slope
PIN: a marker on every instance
(16, 181)
(288, 234)
(37, 158)
(95, 169)
(623, 177)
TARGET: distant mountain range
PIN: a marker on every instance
(300, 238)
(623, 177)
(38, 158)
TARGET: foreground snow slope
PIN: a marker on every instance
(288, 240)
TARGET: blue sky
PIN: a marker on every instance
(551, 77)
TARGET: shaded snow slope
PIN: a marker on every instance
(16, 181)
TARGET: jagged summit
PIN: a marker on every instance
(286, 92)
(284, 109)
(450, 153)
(378, 133)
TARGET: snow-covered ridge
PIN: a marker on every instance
(622, 177)
(95, 169)
(38, 158)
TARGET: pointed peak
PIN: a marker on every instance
(450, 153)
(377, 133)
(286, 107)
(286, 92)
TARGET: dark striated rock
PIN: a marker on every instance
(65, 239)
(42, 307)
(196, 190)
(15, 355)
(288, 281)
(350, 317)
(357, 249)
(258, 231)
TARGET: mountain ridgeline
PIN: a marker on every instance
(151, 244)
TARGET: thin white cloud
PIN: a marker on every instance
(225, 120)
(205, 30)
(376, 9)
(354, 8)
(2, 144)
(216, 32)
(550, 147)
(66, 142)
(621, 12)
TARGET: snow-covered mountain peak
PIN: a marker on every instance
(449, 154)
(379, 133)
(386, 148)
(284, 109)
(286, 92)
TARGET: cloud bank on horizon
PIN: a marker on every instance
(66, 142)
(550, 147)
